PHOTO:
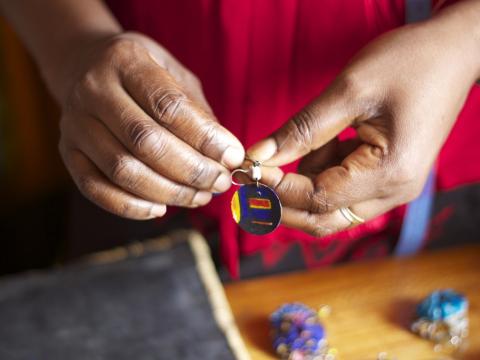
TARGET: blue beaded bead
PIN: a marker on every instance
(442, 304)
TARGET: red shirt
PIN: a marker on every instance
(262, 61)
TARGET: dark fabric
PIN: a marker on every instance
(151, 307)
(456, 218)
(91, 229)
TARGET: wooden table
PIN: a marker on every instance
(372, 303)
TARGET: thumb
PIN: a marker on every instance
(312, 127)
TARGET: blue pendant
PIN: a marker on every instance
(256, 208)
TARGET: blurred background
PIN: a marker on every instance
(44, 220)
(33, 180)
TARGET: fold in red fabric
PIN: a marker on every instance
(262, 61)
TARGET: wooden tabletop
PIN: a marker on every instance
(372, 302)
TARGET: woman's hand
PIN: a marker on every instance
(137, 133)
(402, 94)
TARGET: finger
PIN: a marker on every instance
(318, 160)
(329, 155)
(155, 90)
(361, 176)
(157, 147)
(98, 189)
(320, 225)
(315, 125)
(294, 190)
(355, 180)
(129, 173)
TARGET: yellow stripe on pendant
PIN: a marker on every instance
(235, 205)
(267, 223)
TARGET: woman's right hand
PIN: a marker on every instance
(137, 133)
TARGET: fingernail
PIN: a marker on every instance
(263, 150)
(201, 198)
(222, 183)
(159, 210)
(233, 157)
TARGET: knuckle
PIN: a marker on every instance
(318, 200)
(131, 210)
(82, 90)
(285, 186)
(87, 186)
(121, 48)
(88, 83)
(197, 174)
(358, 92)
(314, 227)
(300, 128)
(347, 82)
(165, 104)
(351, 85)
(127, 210)
(181, 196)
(208, 137)
(123, 172)
(202, 175)
(316, 231)
(144, 139)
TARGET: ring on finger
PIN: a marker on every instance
(353, 218)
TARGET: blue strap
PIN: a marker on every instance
(416, 220)
(417, 216)
(417, 10)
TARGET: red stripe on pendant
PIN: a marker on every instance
(259, 203)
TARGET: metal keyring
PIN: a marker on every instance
(256, 174)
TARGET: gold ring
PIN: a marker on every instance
(350, 216)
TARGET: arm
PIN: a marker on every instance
(57, 31)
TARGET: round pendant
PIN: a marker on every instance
(256, 209)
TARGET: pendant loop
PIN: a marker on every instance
(255, 207)
(256, 171)
(233, 174)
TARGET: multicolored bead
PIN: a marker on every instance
(298, 334)
(442, 317)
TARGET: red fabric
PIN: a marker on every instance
(262, 61)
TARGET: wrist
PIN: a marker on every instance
(461, 23)
(63, 67)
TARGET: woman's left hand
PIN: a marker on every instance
(402, 94)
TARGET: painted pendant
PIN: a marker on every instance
(256, 208)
